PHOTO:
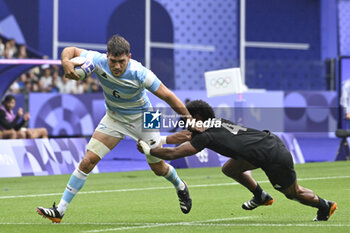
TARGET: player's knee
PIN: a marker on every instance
(159, 171)
(292, 194)
(160, 168)
(229, 172)
(87, 164)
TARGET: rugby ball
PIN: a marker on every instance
(85, 69)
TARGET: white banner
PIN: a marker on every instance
(224, 82)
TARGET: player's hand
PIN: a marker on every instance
(68, 68)
(139, 147)
(143, 147)
(347, 116)
(20, 112)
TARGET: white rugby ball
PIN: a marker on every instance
(86, 67)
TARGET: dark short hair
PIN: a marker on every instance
(200, 109)
(117, 46)
(8, 99)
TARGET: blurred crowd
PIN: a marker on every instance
(11, 50)
(49, 79)
(45, 78)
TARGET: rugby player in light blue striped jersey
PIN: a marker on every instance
(124, 82)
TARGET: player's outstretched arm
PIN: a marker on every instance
(179, 137)
(167, 153)
(68, 66)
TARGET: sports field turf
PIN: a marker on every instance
(141, 202)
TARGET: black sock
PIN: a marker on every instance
(258, 192)
(322, 204)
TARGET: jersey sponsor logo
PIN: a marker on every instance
(152, 120)
(152, 142)
(104, 75)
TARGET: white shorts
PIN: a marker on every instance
(133, 129)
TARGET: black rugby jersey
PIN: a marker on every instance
(231, 140)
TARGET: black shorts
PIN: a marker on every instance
(280, 170)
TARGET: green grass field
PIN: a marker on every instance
(141, 202)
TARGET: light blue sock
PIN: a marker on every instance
(75, 183)
(174, 178)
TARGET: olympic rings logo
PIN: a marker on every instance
(221, 82)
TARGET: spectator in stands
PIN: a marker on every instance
(94, 86)
(22, 82)
(58, 69)
(18, 86)
(14, 88)
(87, 85)
(32, 77)
(2, 49)
(10, 48)
(46, 78)
(78, 87)
(56, 75)
(52, 82)
(54, 87)
(35, 87)
(66, 86)
(22, 52)
(11, 121)
(28, 87)
(42, 87)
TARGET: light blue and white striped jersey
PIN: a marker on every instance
(125, 96)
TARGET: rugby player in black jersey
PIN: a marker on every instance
(247, 149)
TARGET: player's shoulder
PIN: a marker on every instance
(136, 66)
(201, 134)
(136, 69)
(94, 55)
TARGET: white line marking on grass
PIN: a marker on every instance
(269, 225)
(111, 223)
(159, 188)
(151, 225)
(86, 223)
(210, 224)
